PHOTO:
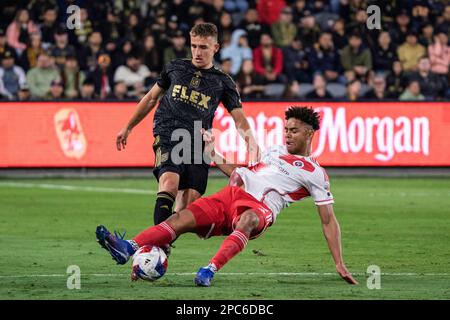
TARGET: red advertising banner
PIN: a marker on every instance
(69, 134)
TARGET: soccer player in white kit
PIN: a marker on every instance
(250, 203)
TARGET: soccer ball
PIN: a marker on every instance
(149, 263)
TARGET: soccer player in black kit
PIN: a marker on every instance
(188, 91)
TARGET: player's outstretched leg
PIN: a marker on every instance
(231, 246)
(165, 232)
(120, 250)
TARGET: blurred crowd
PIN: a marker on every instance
(280, 49)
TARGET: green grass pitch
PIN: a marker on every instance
(400, 225)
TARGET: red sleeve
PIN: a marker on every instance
(278, 61)
(258, 61)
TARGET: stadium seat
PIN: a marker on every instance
(337, 90)
(364, 89)
(274, 90)
(305, 88)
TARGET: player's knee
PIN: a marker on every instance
(182, 221)
(249, 221)
(170, 186)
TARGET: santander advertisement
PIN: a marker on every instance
(68, 134)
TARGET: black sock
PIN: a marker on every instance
(163, 207)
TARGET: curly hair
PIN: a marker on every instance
(304, 114)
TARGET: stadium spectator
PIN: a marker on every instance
(214, 10)
(253, 27)
(298, 11)
(401, 27)
(359, 25)
(133, 28)
(269, 11)
(88, 55)
(87, 92)
(56, 90)
(151, 56)
(430, 83)
(323, 58)
(49, 25)
(159, 28)
(40, 77)
(61, 49)
(29, 57)
(384, 53)
(24, 93)
(111, 28)
(178, 49)
(225, 65)
(225, 28)
(37, 8)
(150, 9)
(378, 91)
(84, 29)
(18, 31)
(426, 36)
(339, 37)
(308, 30)
(320, 91)
(412, 92)
(268, 60)
(180, 9)
(11, 76)
(284, 30)
(72, 77)
(355, 57)
(172, 25)
(237, 51)
(4, 46)
(445, 21)
(353, 90)
(119, 57)
(396, 80)
(410, 52)
(239, 6)
(295, 62)
(419, 14)
(102, 76)
(120, 92)
(250, 84)
(133, 73)
(439, 53)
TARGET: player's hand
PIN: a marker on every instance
(209, 140)
(345, 274)
(254, 155)
(121, 140)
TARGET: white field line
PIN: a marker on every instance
(153, 192)
(74, 188)
(295, 274)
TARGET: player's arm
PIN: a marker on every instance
(147, 103)
(332, 234)
(220, 161)
(245, 132)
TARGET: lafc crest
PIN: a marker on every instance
(195, 81)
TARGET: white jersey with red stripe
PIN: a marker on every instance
(281, 178)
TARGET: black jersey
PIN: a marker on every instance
(192, 94)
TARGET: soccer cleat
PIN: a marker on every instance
(167, 249)
(204, 277)
(117, 247)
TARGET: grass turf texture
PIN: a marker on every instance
(401, 225)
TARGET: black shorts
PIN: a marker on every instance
(192, 176)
